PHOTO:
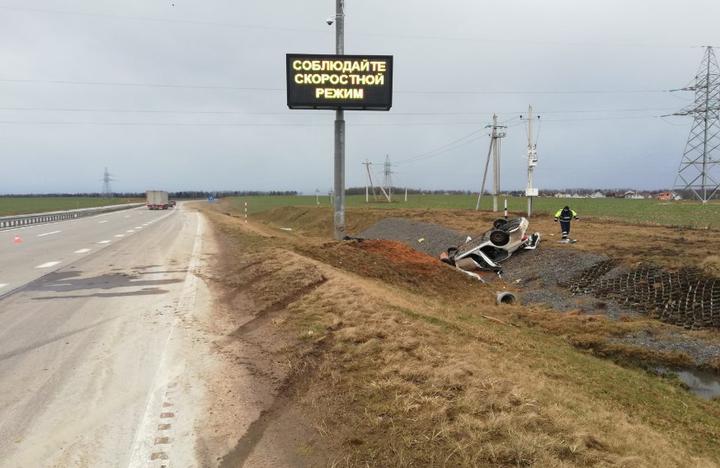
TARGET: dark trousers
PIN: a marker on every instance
(565, 227)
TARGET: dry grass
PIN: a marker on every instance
(630, 243)
(393, 373)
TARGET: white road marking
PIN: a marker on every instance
(47, 265)
(49, 233)
(81, 251)
(2, 285)
(130, 231)
(119, 235)
(104, 242)
(103, 221)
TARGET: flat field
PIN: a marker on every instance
(682, 214)
(10, 206)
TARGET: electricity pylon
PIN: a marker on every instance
(387, 181)
(107, 189)
(699, 170)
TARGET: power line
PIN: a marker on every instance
(269, 89)
(519, 42)
(139, 85)
(303, 115)
(553, 92)
(440, 148)
(152, 19)
(282, 124)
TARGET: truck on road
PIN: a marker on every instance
(157, 200)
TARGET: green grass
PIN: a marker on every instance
(10, 206)
(685, 213)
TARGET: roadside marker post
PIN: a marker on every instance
(506, 208)
(246, 213)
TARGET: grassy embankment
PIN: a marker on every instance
(10, 206)
(400, 361)
(683, 213)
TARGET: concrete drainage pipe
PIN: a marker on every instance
(505, 298)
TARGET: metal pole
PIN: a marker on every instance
(487, 163)
(496, 171)
(530, 161)
(339, 217)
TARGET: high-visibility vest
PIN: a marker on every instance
(565, 216)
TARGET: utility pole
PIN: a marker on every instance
(317, 197)
(494, 153)
(367, 165)
(530, 191)
(339, 216)
(698, 172)
(496, 167)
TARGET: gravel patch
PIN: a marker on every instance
(702, 352)
(544, 272)
(539, 272)
(435, 239)
(544, 275)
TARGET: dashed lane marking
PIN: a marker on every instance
(48, 265)
(82, 251)
(130, 231)
(104, 242)
(103, 221)
(119, 235)
(2, 285)
(49, 233)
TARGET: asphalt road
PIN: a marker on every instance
(89, 310)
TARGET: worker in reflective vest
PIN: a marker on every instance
(565, 216)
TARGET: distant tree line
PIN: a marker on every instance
(181, 194)
(415, 191)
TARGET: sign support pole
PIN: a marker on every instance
(339, 215)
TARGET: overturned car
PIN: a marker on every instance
(493, 247)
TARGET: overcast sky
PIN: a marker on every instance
(67, 109)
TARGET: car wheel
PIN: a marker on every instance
(499, 222)
(499, 238)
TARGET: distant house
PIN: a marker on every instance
(597, 195)
(633, 195)
(562, 195)
(665, 196)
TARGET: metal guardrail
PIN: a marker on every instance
(8, 222)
